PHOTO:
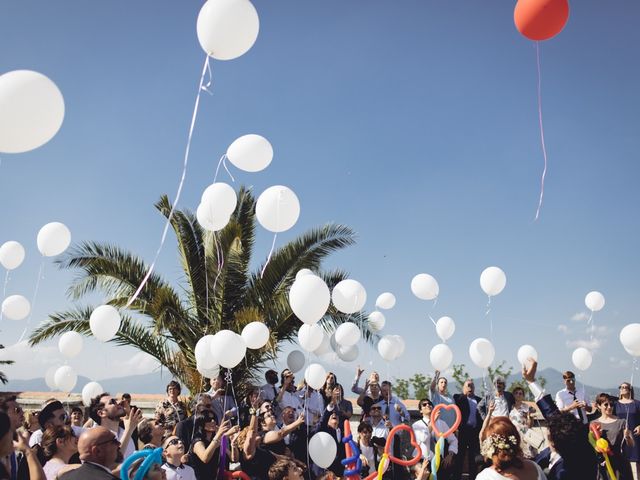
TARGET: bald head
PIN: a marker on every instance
(98, 445)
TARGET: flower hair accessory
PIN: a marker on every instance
(498, 442)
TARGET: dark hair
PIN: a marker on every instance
(515, 389)
(50, 437)
(568, 374)
(337, 385)
(97, 404)
(504, 458)
(199, 420)
(279, 470)
(126, 396)
(174, 384)
(362, 426)
(423, 400)
(567, 435)
(4, 400)
(77, 409)
(145, 429)
(5, 424)
(604, 397)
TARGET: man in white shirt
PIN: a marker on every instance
(381, 427)
(423, 432)
(570, 400)
(502, 400)
(107, 412)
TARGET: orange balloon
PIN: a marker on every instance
(541, 19)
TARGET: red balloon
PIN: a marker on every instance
(541, 19)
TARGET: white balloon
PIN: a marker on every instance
(325, 345)
(386, 301)
(482, 352)
(322, 449)
(303, 272)
(347, 334)
(16, 307)
(31, 110)
(309, 298)
(400, 345)
(315, 375)
(492, 281)
(295, 361)
(255, 335)
(594, 301)
(525, 352)
(221, 197)
(209, 220)
(212, 372)
(310, 336)
(53, 239)
(250, 153)
(11, 254)
(445, 328)
(387, 348)
(441, 357)
(630, 338)
(65, 378)
(227, 28)
(49, 377)
(90, 391)
(581, 358)
(70, 344)
(376, 321)
(228, 347)
(277, 208)
(348, 354)
(425, 287)
(104, 322)
(205, 358)
(349, 296)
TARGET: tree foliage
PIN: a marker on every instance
(218, 290)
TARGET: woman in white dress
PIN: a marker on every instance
(500, 443)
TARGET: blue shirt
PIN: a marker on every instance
(473, 409)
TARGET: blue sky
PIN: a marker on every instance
(413, 122)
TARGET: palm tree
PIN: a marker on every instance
(218, 291)
(3, 377)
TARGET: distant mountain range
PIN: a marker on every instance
(155, 383)
(150, 383)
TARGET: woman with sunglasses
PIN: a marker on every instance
(614, 430)
(173, 451)
(205, 446)
(628, 409)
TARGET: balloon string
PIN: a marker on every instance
(223, 162)
(220, 260)
(4, 290)
(590, 327)
(544, 148)
(180, 185)
(633, 368)
(33, 299)
(432, 320)
(486, 314)
(273, 246)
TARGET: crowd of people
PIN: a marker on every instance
(266, 434)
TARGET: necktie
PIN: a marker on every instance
(275, 393)
(580, 414)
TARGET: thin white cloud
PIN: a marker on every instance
(30, 362)
(602, 330)
(592, 345)
(563, 328)
(139, 364)
(580, 317)
(619, 362)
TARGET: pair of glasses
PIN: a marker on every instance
(624, 387)
(63, 417)
(606, 404)
(376, 408)
(174, 441)
(113, 401)
(426, 405)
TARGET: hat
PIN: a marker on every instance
(46, 413)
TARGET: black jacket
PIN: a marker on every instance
(88, 471)
(463, 404)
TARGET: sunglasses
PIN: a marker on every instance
(426, 405)
(174, 441)
(624, 387)
(63, 417)
(113, 440)
(376, 408)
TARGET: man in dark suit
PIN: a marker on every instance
(503, 401)
(469, 430)
(98, 448)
